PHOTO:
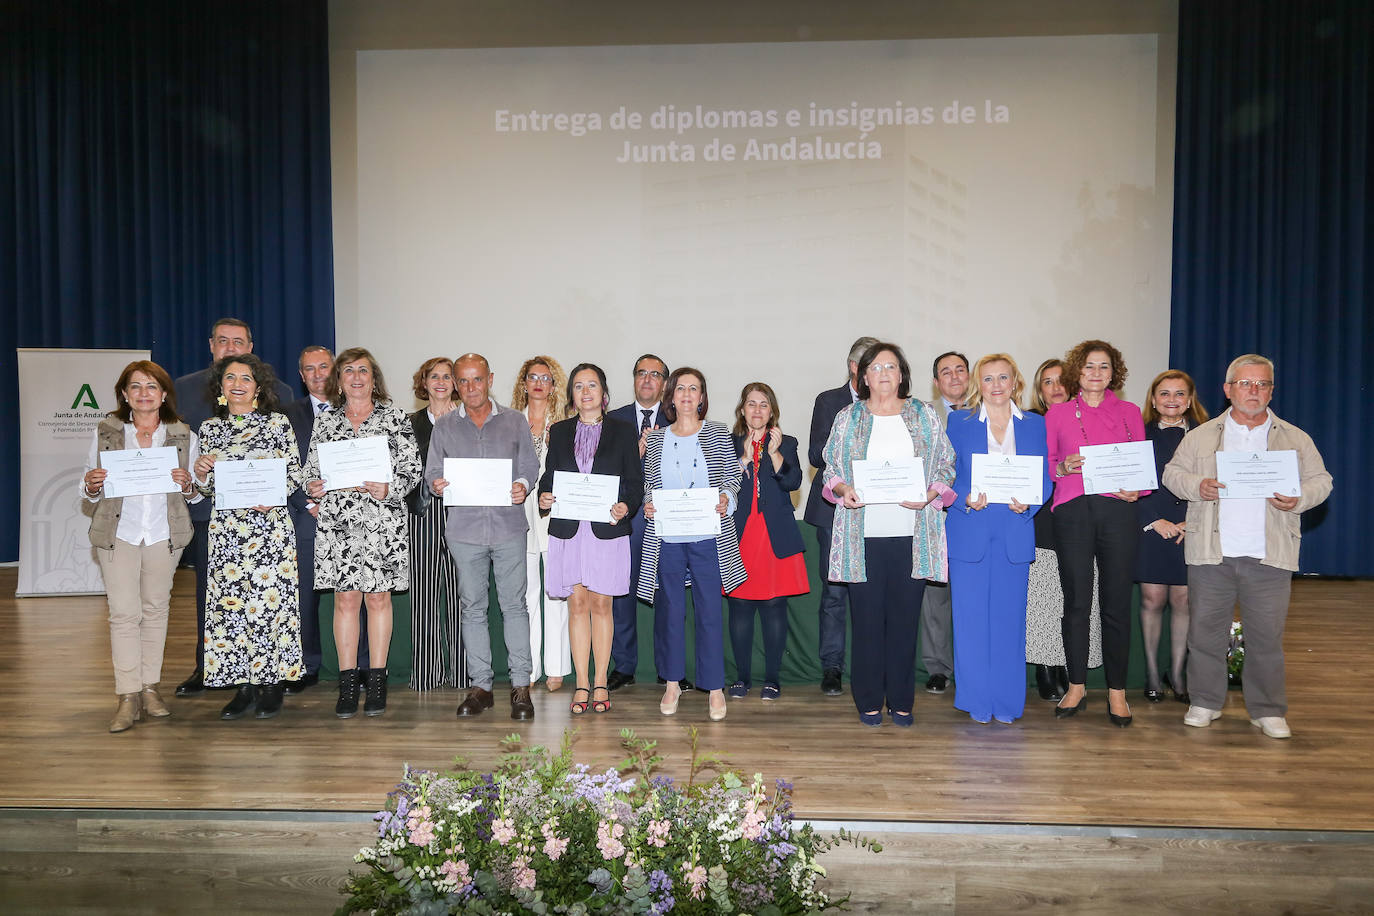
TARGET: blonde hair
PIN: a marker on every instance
(1018, 383)
(519, 397)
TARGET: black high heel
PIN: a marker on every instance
(238, 707)
(1064, 712)
(1155, 695)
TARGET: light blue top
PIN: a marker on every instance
(684, 467)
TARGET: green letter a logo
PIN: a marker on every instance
(85, 397)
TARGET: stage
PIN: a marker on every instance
(192, 814)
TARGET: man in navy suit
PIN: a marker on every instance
(650, 375)
(228, 337)
(936, 629)
(819, 512)
(314, 364)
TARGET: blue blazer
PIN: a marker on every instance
(775, 503)
(828, 406)
(969, 532)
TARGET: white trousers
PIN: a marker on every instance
(549, 649)
(138, 587)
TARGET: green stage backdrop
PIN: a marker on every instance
(799, 664)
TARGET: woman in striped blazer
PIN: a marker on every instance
(691, 453)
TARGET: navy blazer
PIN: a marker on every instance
(616, 453)
(820, 512)
(774, 502)
(968, 532)
(301, 413)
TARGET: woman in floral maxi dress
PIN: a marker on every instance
(252, 612)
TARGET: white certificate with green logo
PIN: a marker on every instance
(245, 483)
(1258, 475)
(139, 471)
(1119, 466)
(1003, 478)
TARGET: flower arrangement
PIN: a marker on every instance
(1235, 655)
(543, 834)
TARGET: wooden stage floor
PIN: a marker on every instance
(54, 659)
(951, 799)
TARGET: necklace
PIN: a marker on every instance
(1078, 414)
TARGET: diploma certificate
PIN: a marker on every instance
(1006, 477)
(354, 462)
(477, 481)
(1119, 466)
(139, 471)
(1258, 475)
(584, 497)
(890, 480)
(248, 482)
(690, 512)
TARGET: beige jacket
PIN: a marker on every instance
(1196, 460)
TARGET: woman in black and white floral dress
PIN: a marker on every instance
(362, 549)
(252, 611)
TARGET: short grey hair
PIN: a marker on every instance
(858, 348)
(1249, 359)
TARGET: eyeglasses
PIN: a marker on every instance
(879, 368)
(1246, 384)
(649, 373)
(546, 379)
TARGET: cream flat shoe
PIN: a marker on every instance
(666, 707)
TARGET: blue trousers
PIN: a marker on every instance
(833, 607)
(625, 608)
(670, 613)
(990, 633)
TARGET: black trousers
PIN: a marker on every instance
(1107, 530)
(883, 613)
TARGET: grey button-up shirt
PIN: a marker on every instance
(505, 434)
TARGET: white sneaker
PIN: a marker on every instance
(1272, 726)
(1200, 716)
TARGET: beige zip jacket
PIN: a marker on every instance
(1196, 459)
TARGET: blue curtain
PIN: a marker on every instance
(1272, 231)
(162, 164)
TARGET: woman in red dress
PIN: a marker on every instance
(770, 544)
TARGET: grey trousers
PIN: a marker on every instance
(1262, 593)
(475, 564)
(936, 630)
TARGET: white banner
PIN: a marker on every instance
(63, 394)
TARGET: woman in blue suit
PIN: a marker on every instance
(991, 546)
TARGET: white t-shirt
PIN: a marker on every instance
(889, 439)
(1241, 521)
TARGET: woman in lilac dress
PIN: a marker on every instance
(589, 561)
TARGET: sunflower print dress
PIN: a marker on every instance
(252, 609)
(362, 544)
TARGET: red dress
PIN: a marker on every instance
(770, 576)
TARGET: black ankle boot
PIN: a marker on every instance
(269, 701)
(1046, 684)
(1061, 678)
(347, 707)
(238, 707)
(376, 692)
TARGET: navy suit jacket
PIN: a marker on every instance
(630, 414)
(617, 453)
(969, 532)
(775, 503)
(828, 405)
(301, 413)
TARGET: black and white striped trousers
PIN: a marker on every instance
(436, 651)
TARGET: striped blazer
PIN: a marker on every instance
(723, 471)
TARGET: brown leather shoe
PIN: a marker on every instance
(152, 702)
(521, 707)
(130, 711)
(476, 701)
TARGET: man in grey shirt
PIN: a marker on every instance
(487, 539)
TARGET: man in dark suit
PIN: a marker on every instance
(650, 375)
(936, 628)
(834, 595)
(228, 337)
(314, 365)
